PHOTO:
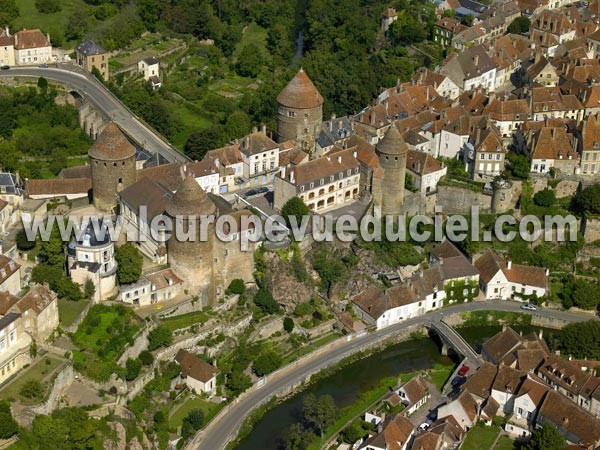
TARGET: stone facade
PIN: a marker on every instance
(392, 151)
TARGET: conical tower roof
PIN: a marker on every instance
(190, 199)
(300, 93)
(111, 145)
(392, 143)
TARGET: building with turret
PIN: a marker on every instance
(300, 112)
(391, 152)
(112, 158)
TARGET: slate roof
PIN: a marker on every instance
(9, 182)
(146, 192)
(89, 48)
(8, 319)
(392, 143)
(190, 200)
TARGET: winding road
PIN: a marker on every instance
(104, 101)
(221, 430)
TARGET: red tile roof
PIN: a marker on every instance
(300, 93)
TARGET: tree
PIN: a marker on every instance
(518, 166)
(52, 250)
(187, 430)
(238, 382)
(546, 438)
(298, 437)
(319, 412)
(89, 289)
(265, 301)
(48, 6)
(249, 61)
(520, 25)
(8, 426)
(406, 29)
(77, 23)
(467, 20)
(58, 281)
(352, 433)
(146, 358)
(200, 142)
(586, 294)
(587, 200)
(133, 368)
(23, 242)
(130, 262)
(196, 418)
(266, 363)
(236, 287)
(329, 268)
(545, 197)
(9, 11)
(288, 324)
(160, 336)
(581, 340)
(294, 207)
(42, 83)
(32, 389)
(238, 125)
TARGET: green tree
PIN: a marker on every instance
(319, 412)
(146, 358)
(266, 363)
(249, 61)
(545, 197)
(586, 294)
(406, 29)
(9, 11)
(48, 6)
(130, 262)
(581, 340)
(298, 437)
(52, 250)
(89, 289)
(288, 324)
(42, 83)
(200, 142)
(265, 301)
(23, 242)
(8, 426)
(133, 368)
(304, 309)
(77, 23)
(294, 207)
(237, 287)
(237, 383)
(196, 418)
(518, 166)
(467, 20)
(58, 281)
(238, 125)
(187, 430)
(520, 25)
(587, 200)
(32, 389)
(352, 433)
(329, 268)
(546, 438)
(160, 336)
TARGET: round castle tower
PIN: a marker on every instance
(392, 152)
(501, 195)
(193, 258)
(300, 112)
(112, 158)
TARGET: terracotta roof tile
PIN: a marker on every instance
(57, 186)
(26, 39)
(195, 368)
(300, 93)
(112, 144)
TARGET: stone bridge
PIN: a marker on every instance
(451, 339)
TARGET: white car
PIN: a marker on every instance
(423, 426)
(529, 307)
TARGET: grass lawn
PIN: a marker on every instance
(254, 34)
(185, 320)
(506, 443)
(440, 374)
(36, 372)
(69, 311)
(210, 410)
(310, 347)
(55, 23)
(480, 437)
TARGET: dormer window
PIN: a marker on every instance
(596, 145)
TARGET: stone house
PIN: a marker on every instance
(394, 433)
(425, 171)
(32, 47)
(198, 375)
(590, 155)
(7, 48)
(152, 288)
(10, 276)
(527, 402)
(553, 148)
(91, 55)
(14, 345)
(414, 394)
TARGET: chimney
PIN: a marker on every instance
(282, 172)
(333, 116)
(7, 31)
(509, 264)
(372, 117)
(354, 154)
(254, 130)
(503, 327)
(292, 177)
(339, 159)
(541, 334)
(476, 59)
(263, 128)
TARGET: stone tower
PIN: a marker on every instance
(501, 195)
(112, 158)
(392, 151)
(192, 259)
(300, 112)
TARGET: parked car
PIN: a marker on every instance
(43, 66)
(262, 190)
(432, 415)
(529, 307)
(458, 381)
(4, 67)
(423, 426)
(250, 193)
(463, 370)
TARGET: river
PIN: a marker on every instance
(346, 385)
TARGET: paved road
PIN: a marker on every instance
(216, 436)
(102, 99)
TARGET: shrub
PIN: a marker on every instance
(146, 358)
(236, 287)
(288, 324)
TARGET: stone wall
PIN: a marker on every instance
(455, 200)
(590, 229)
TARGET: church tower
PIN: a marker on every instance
(300, 112)
(392, 152)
